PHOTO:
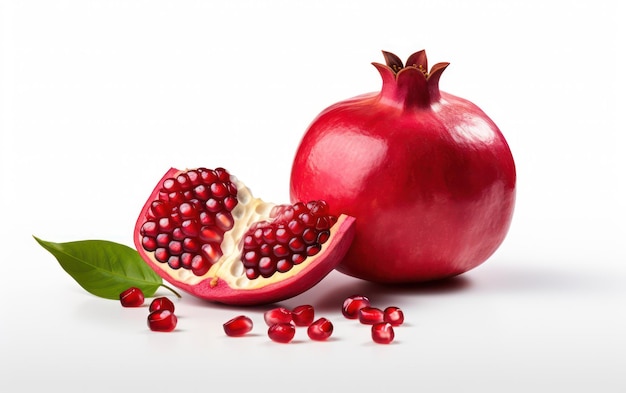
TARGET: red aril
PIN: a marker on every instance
(238, 326)
(277, 315)
(320, 330)
(371, 315)
(394, 316)
(382, 333)
(161, 303)
(303, 315)
(162, 321)
(282, 332)
(428, 176)
(132, 297)
(204, 232)
(352, 305)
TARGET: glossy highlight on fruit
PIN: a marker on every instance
(132, 297)
(428, 176)
(303, 315)
(162, 321)
(238, 326)
(371, 315)
(161, 303)
(277, 315)
(320, 330)
(393, 315)
(352, 305)
(282, 332)
(383, 333)
(203, 231)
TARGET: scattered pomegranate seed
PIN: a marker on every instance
(282, 332)
(277, 315)
(161, 303)
(320, 330)
(371, 315)
(132, 297)
(353, 304)
(382, 333)
(162, 321)
(303, 315)
(394, 316)
(238, 326)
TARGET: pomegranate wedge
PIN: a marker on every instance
(203, 231)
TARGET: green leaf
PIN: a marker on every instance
(104, 268)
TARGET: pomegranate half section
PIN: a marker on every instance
(203, 231)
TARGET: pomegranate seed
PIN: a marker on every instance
(282, 332)
(132, 297)
(283, 266)
(149, 243)
(170, 185)
(238, 326)
(161, 303)
(202, 192)
(222, 174)
(199, 265)
(353, 304)
(277, 315)
(303, 315)
(162, 321)
(212, 252)
(183, 181)
(149, 228)
(174, 262)
(210, 235)
(382, 333)
(282, 235)
(320, 330)
(394, 316)
(371, 315)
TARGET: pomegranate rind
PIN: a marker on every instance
(228, 284)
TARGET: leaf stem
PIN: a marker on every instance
(173, 291)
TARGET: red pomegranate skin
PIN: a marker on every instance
(428, 176)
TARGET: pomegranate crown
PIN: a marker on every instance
(410, 84)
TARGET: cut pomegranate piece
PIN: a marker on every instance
(132, 297)
(203, 231)
(303, 315)
(382, 333)
(161, 303)
(282, 332)
(371, 315)
(277, 315)
(320, 330)
(162, 321)
(238, 326)
(394, 316)
(353, 304)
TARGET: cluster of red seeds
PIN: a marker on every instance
(382, 321)
(161, 317)
(294, 233)
(282, 324)
(185, 226)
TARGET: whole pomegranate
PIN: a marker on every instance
(428, 176)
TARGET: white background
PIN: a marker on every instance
(99, 98)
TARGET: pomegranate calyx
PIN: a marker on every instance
(410, 85)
